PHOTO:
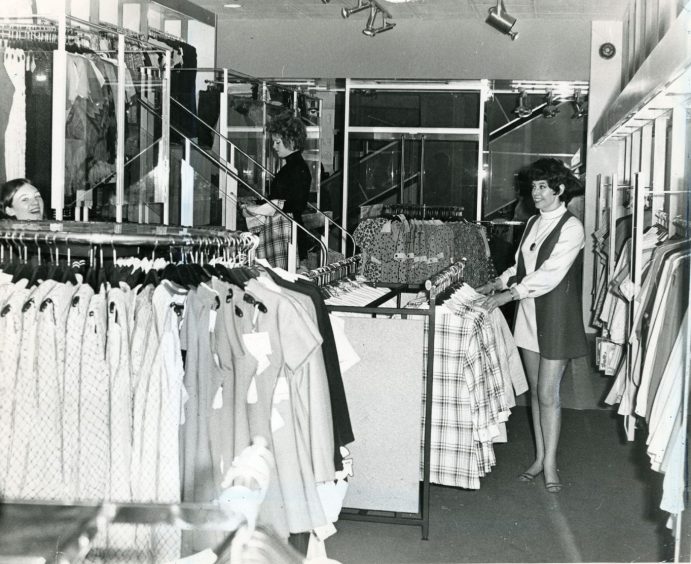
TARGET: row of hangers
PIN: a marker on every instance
(417, 211)
(335, 271)
(445, 279)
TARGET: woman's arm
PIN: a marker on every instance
(552, 271)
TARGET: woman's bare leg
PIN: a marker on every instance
(549, 381)
(531, 363)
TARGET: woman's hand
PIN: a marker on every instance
(496, 300)
(489, 287)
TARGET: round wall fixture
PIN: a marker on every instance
(607, 50)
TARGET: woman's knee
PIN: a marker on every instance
(548, 397)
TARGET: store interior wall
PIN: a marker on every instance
(546, 49)
(605, 84)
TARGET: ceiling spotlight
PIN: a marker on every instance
(500, 20)
(361, 5)
(550, 110)
(523, 109)
(370, 30)
(579, 105)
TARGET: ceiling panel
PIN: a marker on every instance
(428, 9)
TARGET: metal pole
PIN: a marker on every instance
(611, 264)
(57, 169)
(484, 94)
(401, 175)
(229, 186)
(164, 147)
(120, 123)
(422, 170)
(346, 143)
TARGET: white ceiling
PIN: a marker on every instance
(427, 9)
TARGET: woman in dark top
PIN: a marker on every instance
(293, 181)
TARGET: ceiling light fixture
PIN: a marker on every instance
(232, 5)
(550, 110)
(500, 20)
(523, 108)
(361, 5)
(370, 30)
(579, 105)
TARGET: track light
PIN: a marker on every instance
(370, 30)
(361, 5)
(579, 105)
(500, 20)
(550, 110)
(523, 109)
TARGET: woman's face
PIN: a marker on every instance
(282, 148)
(26, 203)
(544, 197)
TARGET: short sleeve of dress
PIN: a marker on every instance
(299, 336)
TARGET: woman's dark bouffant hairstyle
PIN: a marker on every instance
(8, 190)
(289, 128)
(555, 172)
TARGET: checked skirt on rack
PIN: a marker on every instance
(274, 238)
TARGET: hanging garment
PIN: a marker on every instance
(469, 406)
(94, 405)
(15, 132)
(75, 327)
(6, 99)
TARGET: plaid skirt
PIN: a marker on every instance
(274, 238)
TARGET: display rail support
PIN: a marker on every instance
(432, 288)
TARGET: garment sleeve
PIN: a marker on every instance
(504, 276)
(552, 271)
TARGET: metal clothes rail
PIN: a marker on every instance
(433, 287)
(21, 233)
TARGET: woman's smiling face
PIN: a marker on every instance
(27, 203)
(544, 197)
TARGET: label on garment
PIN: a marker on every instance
(277, 421)
(252, 396)
(217, 359)
(218, 399)
(399, 256)
(281, 391)
(628, 289)
(259, 346)
(212, 320)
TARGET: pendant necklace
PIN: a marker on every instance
(539, 234)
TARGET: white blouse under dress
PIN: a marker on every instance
(543, 280)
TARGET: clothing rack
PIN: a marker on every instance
(67, 28)
(335, 271)
(639, 198)
(98, 234)
(446, 278)
(158, 34)
(416, 211)
(433, 287)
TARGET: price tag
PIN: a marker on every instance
(218, 399)
(252, 396)
(277, 421)
(259, 346)
(281, 391)
(212, 320)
